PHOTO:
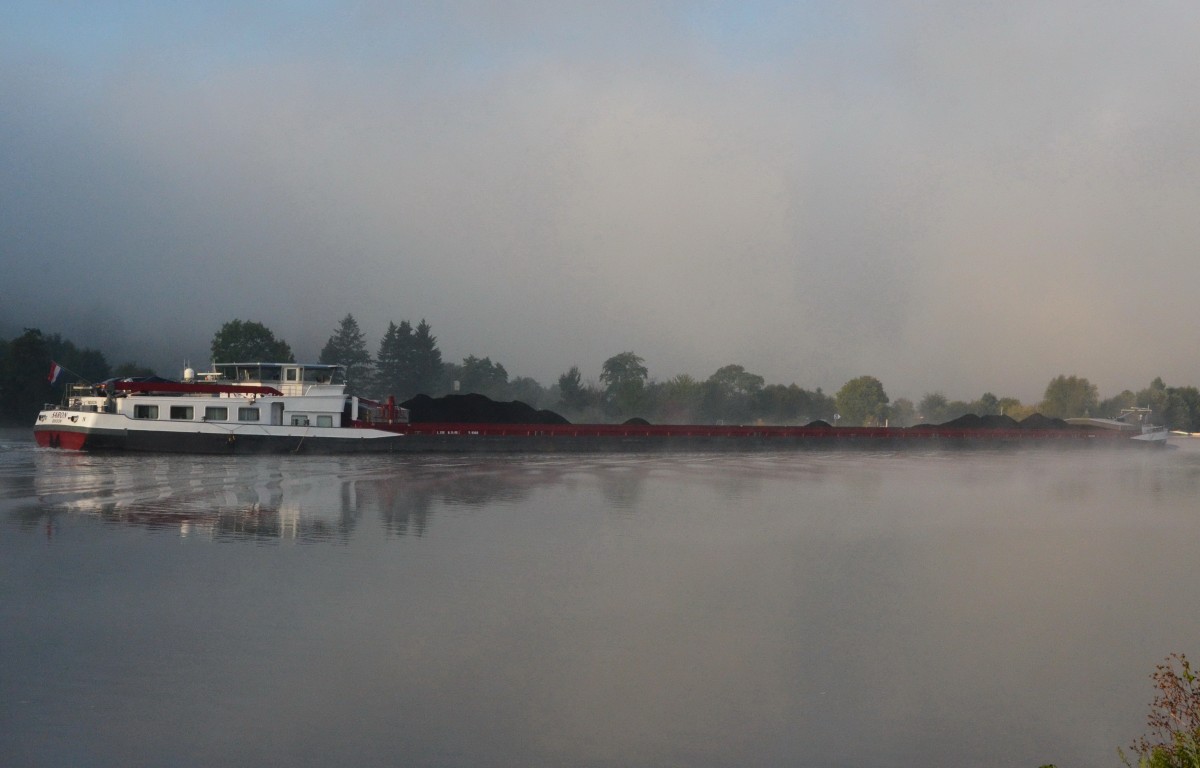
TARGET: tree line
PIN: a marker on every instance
(408, 362)
(25, 363)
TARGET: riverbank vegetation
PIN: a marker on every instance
(408, 361)
(1174, 720)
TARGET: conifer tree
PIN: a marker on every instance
(393, 364)
(427, 361)
(348, 347)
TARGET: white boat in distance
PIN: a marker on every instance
(1134, 422)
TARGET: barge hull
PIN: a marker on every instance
(542, 439)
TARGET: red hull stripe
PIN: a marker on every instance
(686, 430)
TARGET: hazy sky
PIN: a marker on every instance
(946, 195)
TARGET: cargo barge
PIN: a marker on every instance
(249, 408)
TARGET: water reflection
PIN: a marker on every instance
(307, 499)
(195, 497)
(601, 610)
(324, 499)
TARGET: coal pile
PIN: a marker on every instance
(971, 421)
(475, 409)
(1038, 421)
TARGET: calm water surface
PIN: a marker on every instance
(816, 609)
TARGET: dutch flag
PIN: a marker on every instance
(55, 371)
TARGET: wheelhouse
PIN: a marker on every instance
(297, 377)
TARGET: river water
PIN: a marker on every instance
(826, 609)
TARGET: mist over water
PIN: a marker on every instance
(949, 609)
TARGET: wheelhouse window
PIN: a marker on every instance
(216, 413)
(183, 412)
(145, 411)
(247, 414)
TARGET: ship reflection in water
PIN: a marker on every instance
(314, 499)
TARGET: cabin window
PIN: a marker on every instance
(324, 421)
(290, 373)
(216, 413)
(183, 412)
(299, 421)
(145, 411)
(247, 414)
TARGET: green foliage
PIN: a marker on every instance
(572, 396)
(23, 385)
(394, 363)
(902, 413)
(677, 400)
(1069, 396)
(623, 369)
(527, 390)
(1012, 407)
(862, 401)
(409, 362)
(24, 363)
(1176, 407)
(778, 404)
(348, 346)
(1111, 407)
(1183, 409)
(83, 363)
(624, 376)
(731, 394)
(987, 405)
(936, 409)
(1174, 738)
(428, 372)
(933, 408)
(482, 376)
(249, 342)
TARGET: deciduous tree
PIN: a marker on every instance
(731, 393)
(1069, 396)
(902, 413)
(624, 376)
(862, 401)
(249, 342)
(623, 369)
(933, 408)
(679, 399)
